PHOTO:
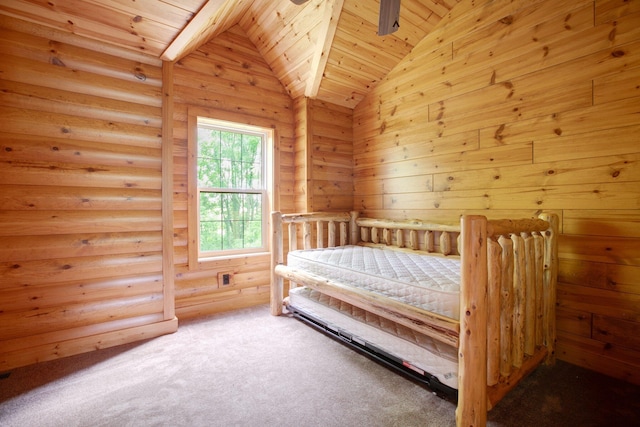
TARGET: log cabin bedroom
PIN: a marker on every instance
(167, 161)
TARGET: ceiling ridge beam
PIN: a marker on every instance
(330, 18)
(215, 17)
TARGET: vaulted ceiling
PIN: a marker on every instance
(324, 49)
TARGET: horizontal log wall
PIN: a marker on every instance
(508, 108)
(81, 253)
(228, 79)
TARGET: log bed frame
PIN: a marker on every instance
(505, 330)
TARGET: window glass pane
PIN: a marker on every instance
(210, 222)
(229, 159)
(252, 161)
(256, 176)
(208, 142)
(231, 187)
(230, 221)
(210, 236)
(252, 220)
(211, 206)
(208, 173)
(208, 157)
(225, 173)
(231, 145)
(252, 207)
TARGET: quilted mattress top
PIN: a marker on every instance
(428, 282)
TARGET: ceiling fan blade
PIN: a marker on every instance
(389, 20)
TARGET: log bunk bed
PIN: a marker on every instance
(483, 334)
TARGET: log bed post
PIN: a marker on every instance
(277, 257)
(354, 233)
(549, 283)
(472, 351)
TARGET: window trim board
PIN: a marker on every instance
(195, 261)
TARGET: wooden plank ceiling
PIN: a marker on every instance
(324, 49)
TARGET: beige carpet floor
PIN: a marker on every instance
(247, 368)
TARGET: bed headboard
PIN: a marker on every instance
(414, 235)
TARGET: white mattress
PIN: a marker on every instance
(417, 351)
(428, 282)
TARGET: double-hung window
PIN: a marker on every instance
(232, 187)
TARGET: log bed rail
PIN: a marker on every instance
(509, 267)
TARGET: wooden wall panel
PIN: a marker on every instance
(80, 197)
(330, 157)
(509, 108)
(323, 156)
(228, 79)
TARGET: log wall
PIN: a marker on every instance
(508, 108)
(227, 79)
(81, 180)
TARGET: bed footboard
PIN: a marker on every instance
(509, 267)
(507, 307)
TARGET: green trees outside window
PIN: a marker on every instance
(231, 188)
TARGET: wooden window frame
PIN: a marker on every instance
(196, 259)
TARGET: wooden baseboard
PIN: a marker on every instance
(608, 359)
(220, 306)
(42, 349)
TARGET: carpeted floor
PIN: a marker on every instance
(247, 368)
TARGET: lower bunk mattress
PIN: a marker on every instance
(397, 344)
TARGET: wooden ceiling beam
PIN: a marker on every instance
(330, 18)
(215, 17)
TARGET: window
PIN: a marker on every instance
(232, 187)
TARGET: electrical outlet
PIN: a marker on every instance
(225, 279)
